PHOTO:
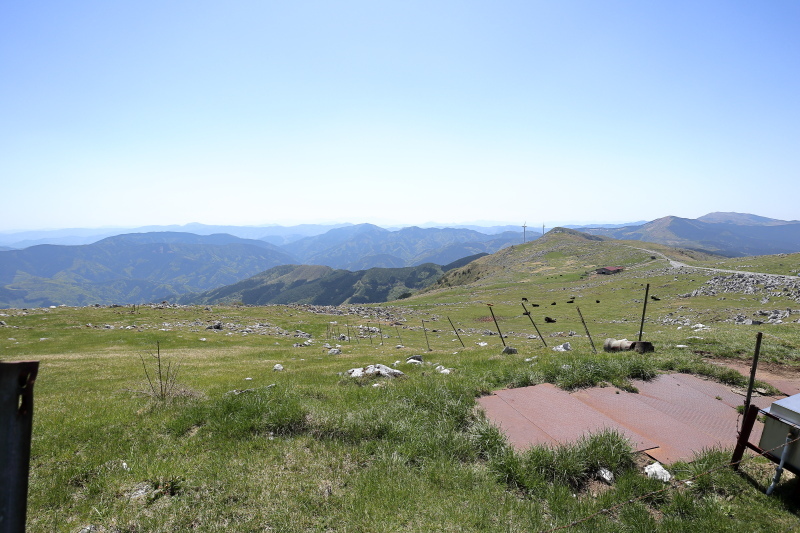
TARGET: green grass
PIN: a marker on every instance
(309, 449)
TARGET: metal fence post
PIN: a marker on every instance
(16, 417)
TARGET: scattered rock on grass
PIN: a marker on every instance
(375, 370)
(656, 471)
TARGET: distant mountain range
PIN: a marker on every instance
(130, 268)
(278, 235)
(728, 234)
(155, 266)
(351, 263)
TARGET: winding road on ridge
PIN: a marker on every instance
(678, 264)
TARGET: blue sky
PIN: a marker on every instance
(133, 113)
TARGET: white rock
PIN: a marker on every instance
(278, 367)
(248, 379)
(482, 343)
(681, 346)
(606, 475)
(656, 471)
(380, 370)
(562, 347)
(334, 351)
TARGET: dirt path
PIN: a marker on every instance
(785, 379)
(678, 264)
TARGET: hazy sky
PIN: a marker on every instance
(128, 113)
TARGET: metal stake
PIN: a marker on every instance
(426, 336)
(586, 329)
(644, 310)
(528, 313)
(495, 323)
(753, 368)
(456, 332)
(398, 334)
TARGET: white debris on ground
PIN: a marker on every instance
(656, 471)
(376, 370)
(606, 475)
(278, 367)
(562, 347)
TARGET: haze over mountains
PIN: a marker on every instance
(158, 265)
(728, 234)
(154, 266)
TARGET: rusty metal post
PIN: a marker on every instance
(586, 329)
(426, 336)
(16, 422)
(456, 332)
(744, 435)
(528, 314)
(369, 331)
(496, 324)
(398, 333)
(644, 310)
(380, 332)
(753, 369)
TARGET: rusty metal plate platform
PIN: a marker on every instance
(671, 418)
(552, 415)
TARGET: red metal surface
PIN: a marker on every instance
(714, 389)
(562, 417)
(672, 417)
(520, 431)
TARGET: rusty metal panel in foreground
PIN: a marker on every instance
(671, 418)
(16, 417)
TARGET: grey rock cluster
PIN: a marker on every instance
(775, 316)
(760, 284)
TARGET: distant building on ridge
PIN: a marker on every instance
(609, 270)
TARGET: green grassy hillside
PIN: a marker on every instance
(321, 285)
(238, 446)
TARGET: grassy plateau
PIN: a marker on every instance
(224, 442)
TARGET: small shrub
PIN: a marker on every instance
(161, 375)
